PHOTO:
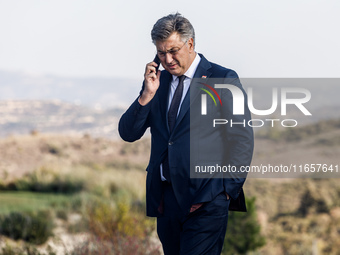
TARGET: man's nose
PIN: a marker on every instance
(168, 58)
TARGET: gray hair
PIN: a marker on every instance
(167, 25)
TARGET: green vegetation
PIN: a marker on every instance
(243, 232)
(12, 201)
(296, 215)
(45, 181)
(34, 228)
(110, 204)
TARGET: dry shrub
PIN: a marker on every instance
(118, 230)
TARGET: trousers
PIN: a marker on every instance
(201, 232)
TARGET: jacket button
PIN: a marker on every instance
(171, 143)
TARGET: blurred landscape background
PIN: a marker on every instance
(69, 69)
(69, 185)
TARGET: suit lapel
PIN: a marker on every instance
(193, 92)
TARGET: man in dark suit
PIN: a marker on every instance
(192, 213)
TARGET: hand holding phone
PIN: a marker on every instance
(151, 81)
(157, 61)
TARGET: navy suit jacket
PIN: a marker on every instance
(235, 148)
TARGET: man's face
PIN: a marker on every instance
(179, 55)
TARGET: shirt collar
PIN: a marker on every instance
(192, 69)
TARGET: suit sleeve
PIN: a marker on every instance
(134, 122)
(239, 137)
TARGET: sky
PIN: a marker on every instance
(106, 38)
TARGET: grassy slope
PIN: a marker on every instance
(28, 201)
(107, 165)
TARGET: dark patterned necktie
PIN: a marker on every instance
(176, 100)
(172, 115)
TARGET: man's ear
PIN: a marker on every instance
(191, 45)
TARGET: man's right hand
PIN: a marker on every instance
(151, 83)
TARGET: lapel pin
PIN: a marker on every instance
(203, 76)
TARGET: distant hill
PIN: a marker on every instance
(96, 92)
(112, 92)
(48, 103)
(25, 116)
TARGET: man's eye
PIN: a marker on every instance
(173, 52)
(161, 54)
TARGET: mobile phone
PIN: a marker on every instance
(157, 61)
